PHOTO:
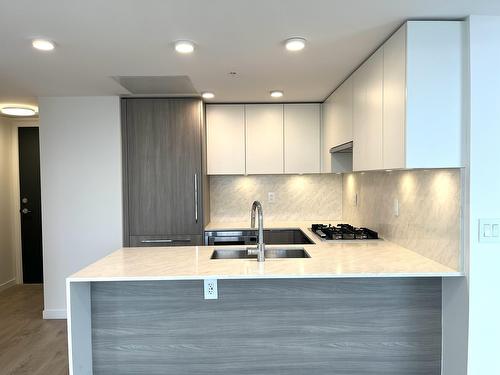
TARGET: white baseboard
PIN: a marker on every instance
(7, 284)
(54, 314)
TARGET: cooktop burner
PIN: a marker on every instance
(343, 232)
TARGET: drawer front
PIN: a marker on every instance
(166, 240)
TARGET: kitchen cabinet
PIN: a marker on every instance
(162, 171)
(368, 114)
(264, 138)
(302, 138)
(424, 87)
(408, 99)
(394, 101)
(225, 139)
(337, 122)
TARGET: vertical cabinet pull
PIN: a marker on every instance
(196, 197)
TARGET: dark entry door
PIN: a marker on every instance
(31, 207)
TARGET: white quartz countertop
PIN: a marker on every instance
(371, 258)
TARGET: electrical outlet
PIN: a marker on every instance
(271, 197)
(211, 289)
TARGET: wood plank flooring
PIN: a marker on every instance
(29, 344)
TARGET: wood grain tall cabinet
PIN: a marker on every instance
(163, 171)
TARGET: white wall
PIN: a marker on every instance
(484, 275)
(7, 249)
(80, 146)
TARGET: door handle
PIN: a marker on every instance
(196, 197)
(25, 211)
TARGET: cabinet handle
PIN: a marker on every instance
(196, 197)
(166, 240)
(156, 241)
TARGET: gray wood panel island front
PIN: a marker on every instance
(275, 326)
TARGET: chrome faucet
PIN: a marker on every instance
(260, 249)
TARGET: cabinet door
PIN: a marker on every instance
(358, 117)
(341, 114)
(264, 138)
(327, 132)
(368, 111)
(225, 139)
(395, 100)
(436, 86)
(337, 121)
(164, 166)
(302, 138)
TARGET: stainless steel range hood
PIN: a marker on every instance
(341, 156)
(343, 148)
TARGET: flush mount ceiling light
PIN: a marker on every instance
(19, 111)
(207, 95)
(184, 46)
(276, 93)
(295, 44)
(43, 44)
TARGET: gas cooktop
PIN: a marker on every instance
(343, 232)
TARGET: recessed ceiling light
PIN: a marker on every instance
(295, 44)
(43, 44)
(184, 46)
(207, 95)
(276, 93)
(18, 111)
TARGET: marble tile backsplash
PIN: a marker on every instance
(429, 220)
(297, 197)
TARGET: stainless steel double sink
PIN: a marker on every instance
(270, 253)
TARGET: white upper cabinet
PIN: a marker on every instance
(408, 99)
(435, 70)
(395, 100)
(337, 121)
(302, 138)
(225, 139)
(368, 114)
(264, 138)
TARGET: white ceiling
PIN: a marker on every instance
(100, 39)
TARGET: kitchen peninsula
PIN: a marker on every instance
(367, 307)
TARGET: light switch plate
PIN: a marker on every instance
(489, 230)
